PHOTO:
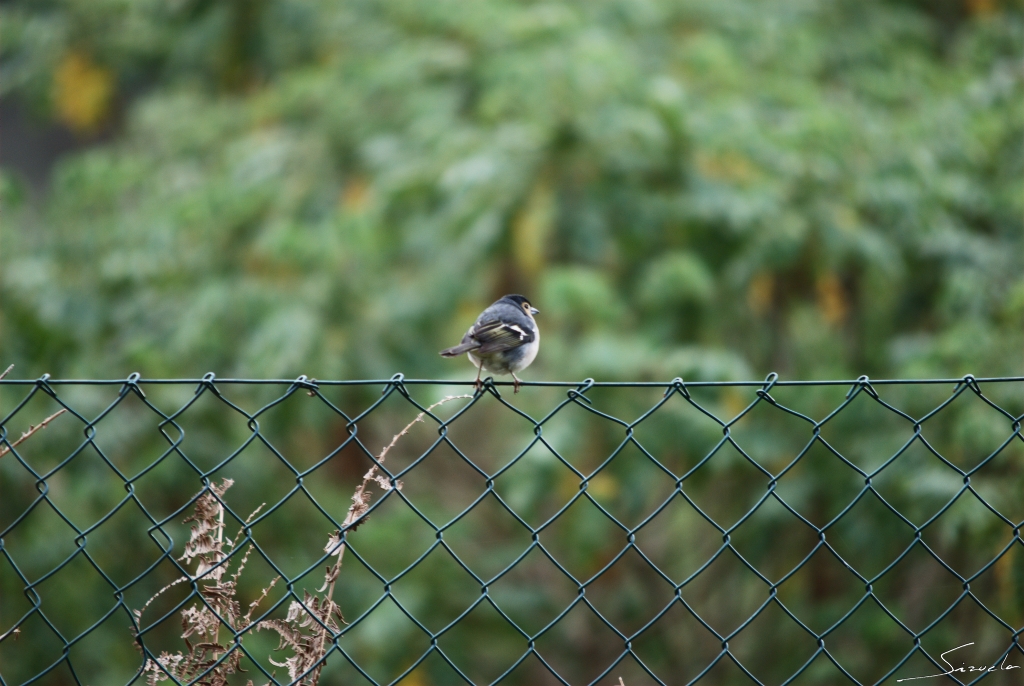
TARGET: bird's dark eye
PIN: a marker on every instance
(526, 306)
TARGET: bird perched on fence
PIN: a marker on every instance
(504, 339)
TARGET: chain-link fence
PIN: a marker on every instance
(221, 531)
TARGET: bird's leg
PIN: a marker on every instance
(479, 385)
(516, 383)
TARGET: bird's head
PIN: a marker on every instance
(522, 303)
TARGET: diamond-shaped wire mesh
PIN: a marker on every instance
(220, 531)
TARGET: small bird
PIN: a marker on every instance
(504, 339)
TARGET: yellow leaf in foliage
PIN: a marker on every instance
(82, 92)
(734, 401)
(531, 229)
(415, 678)
(1003, 573)
(832, 299)
(982, 6)
(760, 293)
(604, 486)
(729, 167)
(356, 195)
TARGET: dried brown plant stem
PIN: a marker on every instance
(359, 507)
(360, 499)
(219, 606)
(310, 623)
(219, 556)
(31, 430)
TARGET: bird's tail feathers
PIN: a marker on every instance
(459, 349)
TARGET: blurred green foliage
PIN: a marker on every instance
(711, 190)
(684, 188)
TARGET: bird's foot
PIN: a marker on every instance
(515, 384)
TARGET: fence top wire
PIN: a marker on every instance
(314, 633)
(771, 378)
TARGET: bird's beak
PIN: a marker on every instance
(534, 311)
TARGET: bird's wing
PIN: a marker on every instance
(495, 336)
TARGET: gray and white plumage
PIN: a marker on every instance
(503, 340)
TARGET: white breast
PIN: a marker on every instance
(531, 349)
